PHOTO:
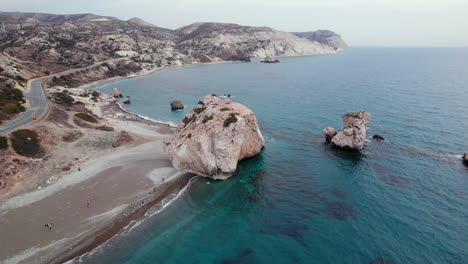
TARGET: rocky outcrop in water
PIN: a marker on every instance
(329, 133)
(127, 100)
(176, 105)
(270, 59)
(465, 157)
(353, 135)
(116, 93)
(378, 137)
(214, 137)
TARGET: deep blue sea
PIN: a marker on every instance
(403, 200)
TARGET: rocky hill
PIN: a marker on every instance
(233, 42)
(326, 37)
(15, 17)
(33, 44)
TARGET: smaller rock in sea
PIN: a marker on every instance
(353, 135)
(117, 93)
(329, 133)
(270, 59)
(127, 100)
(378, 137)
(465, 157)
(176, 105)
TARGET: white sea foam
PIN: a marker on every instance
(135, 223)
(146, 117)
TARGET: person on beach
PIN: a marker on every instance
(48, 225)
(87, 203)
(79, 169)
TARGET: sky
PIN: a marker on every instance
(421, 23)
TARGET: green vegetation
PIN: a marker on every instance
(65, 80)
(86, 117)
(10, 99)
(25, 142)
(65, 43)
(199, 110)
(188, 120)
(3, 142)
(200, 102)
(20, 78)
(63, 98)
(224, 109)
(207, 118)
(231, 119)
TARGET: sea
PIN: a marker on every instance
(401, 200)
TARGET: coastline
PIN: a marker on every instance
(150, 134)
(99, 83)
(136, 171)
(75, 245)
(99, 238)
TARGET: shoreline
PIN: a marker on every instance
(150, 135)
(97, 84)
(100, 238)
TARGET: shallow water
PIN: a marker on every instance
(403, 200)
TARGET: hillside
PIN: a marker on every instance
(33, 44)
(326, 37)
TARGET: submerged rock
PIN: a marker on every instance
(117, 93)
(329, 133)
(270, 59)
(127, 100)
(378, 137)
(353, 135)
(214, 137)
(465, 157)
(176, 105)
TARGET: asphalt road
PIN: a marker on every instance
(38, 106)
(38, 103)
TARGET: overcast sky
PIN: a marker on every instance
(360, 22)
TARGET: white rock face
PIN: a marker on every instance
(214, 137)
(223, 40)
(329, 133)
(353, 135)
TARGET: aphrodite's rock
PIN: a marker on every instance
(329, 133)
(176, 105)
(117, 93)
(353, 135)
(378, 137)
(127, 100)
(270, 59)
(214, 137)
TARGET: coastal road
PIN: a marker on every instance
(38, 103)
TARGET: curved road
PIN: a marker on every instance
(38, 103)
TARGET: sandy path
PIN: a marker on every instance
(115, 184)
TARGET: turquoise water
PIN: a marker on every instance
(403, 200)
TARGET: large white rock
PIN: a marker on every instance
(214, 137)
(353, 135)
